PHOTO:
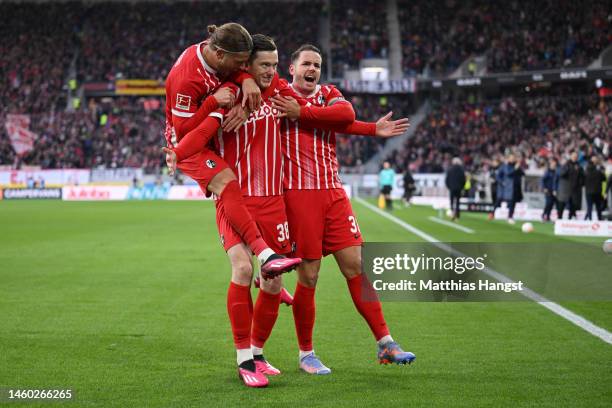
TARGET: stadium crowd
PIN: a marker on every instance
(117, 40)
(114, 132)
(534, 129)
(353, 151)
(106, 41)
(358, 30)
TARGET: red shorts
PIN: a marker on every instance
(321, 222)
(271, 219)
(202, 167)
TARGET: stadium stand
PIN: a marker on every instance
(534, 128)
(102, 42)
(359, 30)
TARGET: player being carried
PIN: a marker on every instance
(314, 193)
(193, 94)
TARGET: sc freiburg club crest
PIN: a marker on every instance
(211, 163)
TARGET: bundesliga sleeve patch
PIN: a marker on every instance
(183, 101)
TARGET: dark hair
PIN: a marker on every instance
(230, 37)
(304, 47)
(262, 43)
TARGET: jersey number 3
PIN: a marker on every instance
(354, 226)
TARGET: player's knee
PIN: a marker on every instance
(352, 267)
(242, 272)
(272, 285)
(308, 279)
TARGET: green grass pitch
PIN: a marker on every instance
(124, 303)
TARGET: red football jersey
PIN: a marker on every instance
(254, 152)
(189, 82)
(310, 154)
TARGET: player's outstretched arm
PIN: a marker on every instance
(382, 128)
(339, 114)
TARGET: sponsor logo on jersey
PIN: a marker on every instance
(211, 164)
(183, 101)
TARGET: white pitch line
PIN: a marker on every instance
(451, 224)
(556, 308)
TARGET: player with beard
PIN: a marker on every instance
(196, 74)
(314, 192)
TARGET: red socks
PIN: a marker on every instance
(264, 317)
(240, 218)
(304, 315)
(240, 310)
(368, 305)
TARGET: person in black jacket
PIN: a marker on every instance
(409, 187)
(571, 180)
(455, 181)
(593, 179)
(608, 195)
(549, 184)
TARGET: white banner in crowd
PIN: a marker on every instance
(583, 228)
(522, 212)
(185, 193)
(60, 176)
(18, 130)
(95, 193)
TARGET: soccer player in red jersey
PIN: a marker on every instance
(321, 219)
(254, 153)
(196, 74)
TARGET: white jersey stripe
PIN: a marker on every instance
(331, 162)
(323, 144)
(316, 158)
(273, 119)
(289, 153)
(266, 156)
(297, 154)
(182, 114)
(238, 164)
(248, 157)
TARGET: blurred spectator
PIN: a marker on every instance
(455, 182)
(594, 177)
(550, 185)
(506, 191)
(571, 180)
(409, 186)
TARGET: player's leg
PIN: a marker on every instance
(306, 237)
(304, 312)
(272, 222)
(239, 301)
(240, 311)
(265, 315)
(343, 239)
(367, 304)
(213, 175)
